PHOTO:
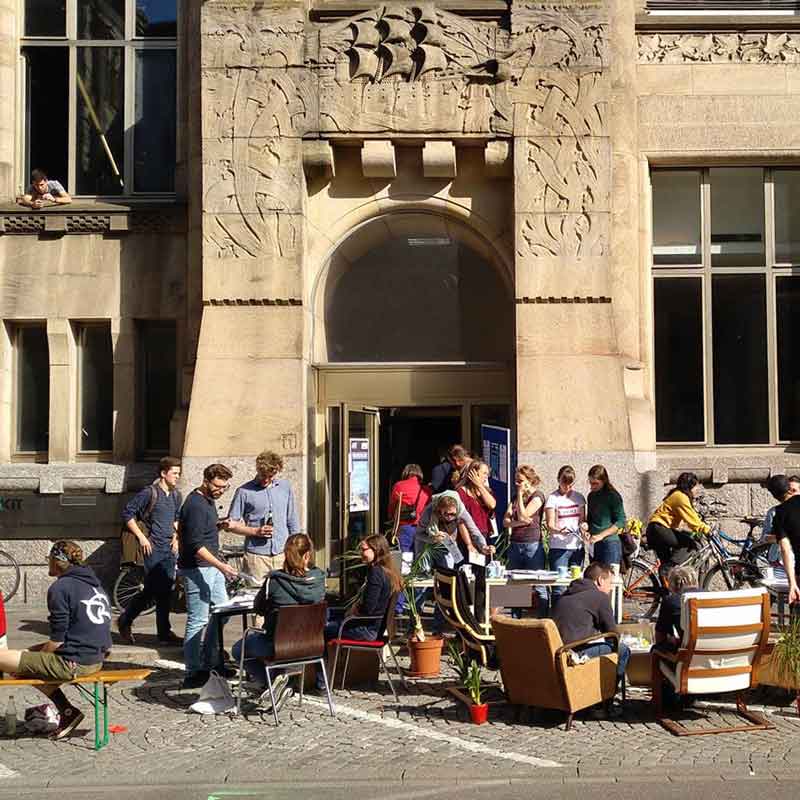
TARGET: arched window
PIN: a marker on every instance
(413, 293)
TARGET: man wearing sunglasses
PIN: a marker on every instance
(80, 633)
(203, 573)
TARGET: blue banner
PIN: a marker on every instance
(496, 447)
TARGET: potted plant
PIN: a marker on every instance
(424, 652)
(478, 711)
(781, 666)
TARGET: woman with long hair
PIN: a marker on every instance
(382, 581)
(524, 518)
(298, 583)
(605, 517)
(473, 489)
(672, 545)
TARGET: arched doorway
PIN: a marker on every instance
(413, 341)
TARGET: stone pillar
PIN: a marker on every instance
(7, 445)
(249, 387)
(570, 377)
(123, 346)
(63, 389)
(8, 103)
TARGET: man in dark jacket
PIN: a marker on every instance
(585, 610)
(80, 633)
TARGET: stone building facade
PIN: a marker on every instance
(324, 151)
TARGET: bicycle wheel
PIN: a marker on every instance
(733, 574)
(9, 575)
(128, 584)
(641, 592)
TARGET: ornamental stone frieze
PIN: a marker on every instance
(719, 48)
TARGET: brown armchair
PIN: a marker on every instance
(536, 672)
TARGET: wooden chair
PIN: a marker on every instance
(299, 640)
(724, 636)
(387, 634)
(536, 669)
(451, 591)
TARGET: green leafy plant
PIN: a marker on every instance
(460, 664)
(786, 655)
(472, 683)
(420, 567)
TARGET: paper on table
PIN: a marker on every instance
(478, 559)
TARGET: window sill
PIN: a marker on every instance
(30, 458)
(95, 216)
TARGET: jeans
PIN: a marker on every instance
(564, 558)
(159, 578)
(259, 647)
(529, 555)
(593, 650)
(204, 586)
(608, 550)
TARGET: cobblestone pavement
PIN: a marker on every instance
(427, 734)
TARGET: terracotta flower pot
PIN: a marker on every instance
(479, 713)
(426, 657)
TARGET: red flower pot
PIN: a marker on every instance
(479, 713)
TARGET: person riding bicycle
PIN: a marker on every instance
(674, 546)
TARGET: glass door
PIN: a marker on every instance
(358, 501)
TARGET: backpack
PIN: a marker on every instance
(129, 544)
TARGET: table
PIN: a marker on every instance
(778, 586)
(517, 593)
(237, 606)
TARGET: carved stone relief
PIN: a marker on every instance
(719, 48)
(565, 237)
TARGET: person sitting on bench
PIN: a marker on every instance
(80, 633)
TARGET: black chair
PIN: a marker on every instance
(299, 641)
(452, 594)
(385, 638)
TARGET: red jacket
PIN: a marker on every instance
(2, 622)
(411, 491)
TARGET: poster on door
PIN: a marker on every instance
(358, 468)
(496, 448)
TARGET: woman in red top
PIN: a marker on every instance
(474, 491)
(412, 497)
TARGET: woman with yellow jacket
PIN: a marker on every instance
(673, 546)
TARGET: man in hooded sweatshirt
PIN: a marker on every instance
(80, 633)
(585, 610)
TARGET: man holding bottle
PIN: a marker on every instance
(264, 512)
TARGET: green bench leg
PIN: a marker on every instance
(100, 741)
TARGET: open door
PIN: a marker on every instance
(358, 501)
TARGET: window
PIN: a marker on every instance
(32, 400)
(726, 267)
(96, 387)
(157, 380)
(100, 94)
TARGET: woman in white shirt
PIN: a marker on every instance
(564, 511)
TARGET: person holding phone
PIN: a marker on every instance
(264, 511)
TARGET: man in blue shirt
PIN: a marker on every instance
(264, 512)
(156, 509)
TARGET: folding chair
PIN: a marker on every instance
(384, 640)
(299, 641)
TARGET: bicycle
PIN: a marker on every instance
(717, 569)
(130, 581)
(9, 575)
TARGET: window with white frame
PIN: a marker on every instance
(726, 266)
(100, 89)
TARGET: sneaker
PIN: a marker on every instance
(196, 680)
(278, 685)
(280, 701)
(125, 632)
(227, 672)
(70, 719)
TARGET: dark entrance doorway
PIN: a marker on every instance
(416, 435)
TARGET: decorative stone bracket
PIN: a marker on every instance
(102, 219)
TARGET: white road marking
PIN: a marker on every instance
(414, 730)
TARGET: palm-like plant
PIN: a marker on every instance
(420, 566)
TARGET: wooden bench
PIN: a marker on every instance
(104, 678)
